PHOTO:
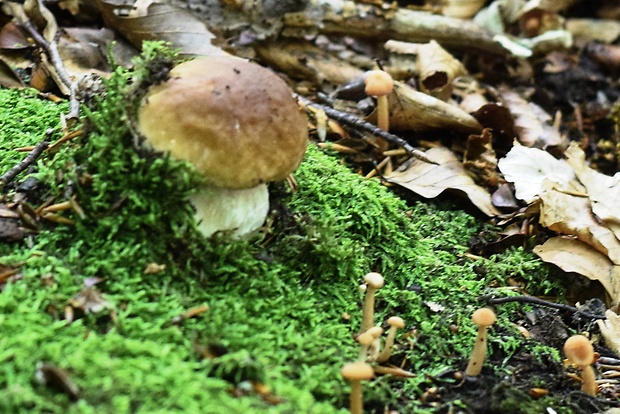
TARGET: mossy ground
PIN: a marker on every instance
(276, 301)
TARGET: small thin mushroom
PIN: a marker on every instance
(395, 323)
(484, 318)
(379, 84)
(356, 372)
(373, 281)
(580, 352)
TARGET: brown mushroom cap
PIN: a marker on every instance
(579, 350)
(483, 317)
(234, 120)
(357, 371)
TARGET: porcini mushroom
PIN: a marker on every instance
(484, 318)
(373, 281)
(580, 352)
(240, 127)
(395, 323)
(356, 372)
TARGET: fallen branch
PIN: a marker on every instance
(23, 164)
(362, 125)
(542, 302)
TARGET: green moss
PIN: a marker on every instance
(276, 303)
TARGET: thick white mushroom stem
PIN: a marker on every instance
(236, 212)
(483, 318)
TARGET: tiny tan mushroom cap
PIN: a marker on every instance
(234, 120)
(375, 331)
(396, 321)
(374, 280)
(357, 371)
(579, 350)
(378, 83)
(365, 338)
(483, 317)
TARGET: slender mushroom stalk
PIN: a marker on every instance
(484, 318)
(374, 281)
(375, 346)
(365, 340)
(395, 323)
(580, 352)
(379, 84)
(356, 372)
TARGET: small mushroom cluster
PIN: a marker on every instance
(369, 339)
(580, 352)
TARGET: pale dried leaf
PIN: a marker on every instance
(572, 255)
(411, 110)
(531, 121)
(528, 168)
(571, 214)
(610, 329)
(430, 180)
(166, 22)
(603, 190)
(605, 31)
(499, 14)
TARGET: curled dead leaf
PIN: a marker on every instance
(411, 110)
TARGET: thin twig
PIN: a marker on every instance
(23, 164)
(51, 50)
(360, 124)
(541, 302)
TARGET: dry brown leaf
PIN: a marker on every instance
(411, 110)
(572, 255)
(430, 180)
(531, 121)
(162, 21)
(571, 214)
(480, 156)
